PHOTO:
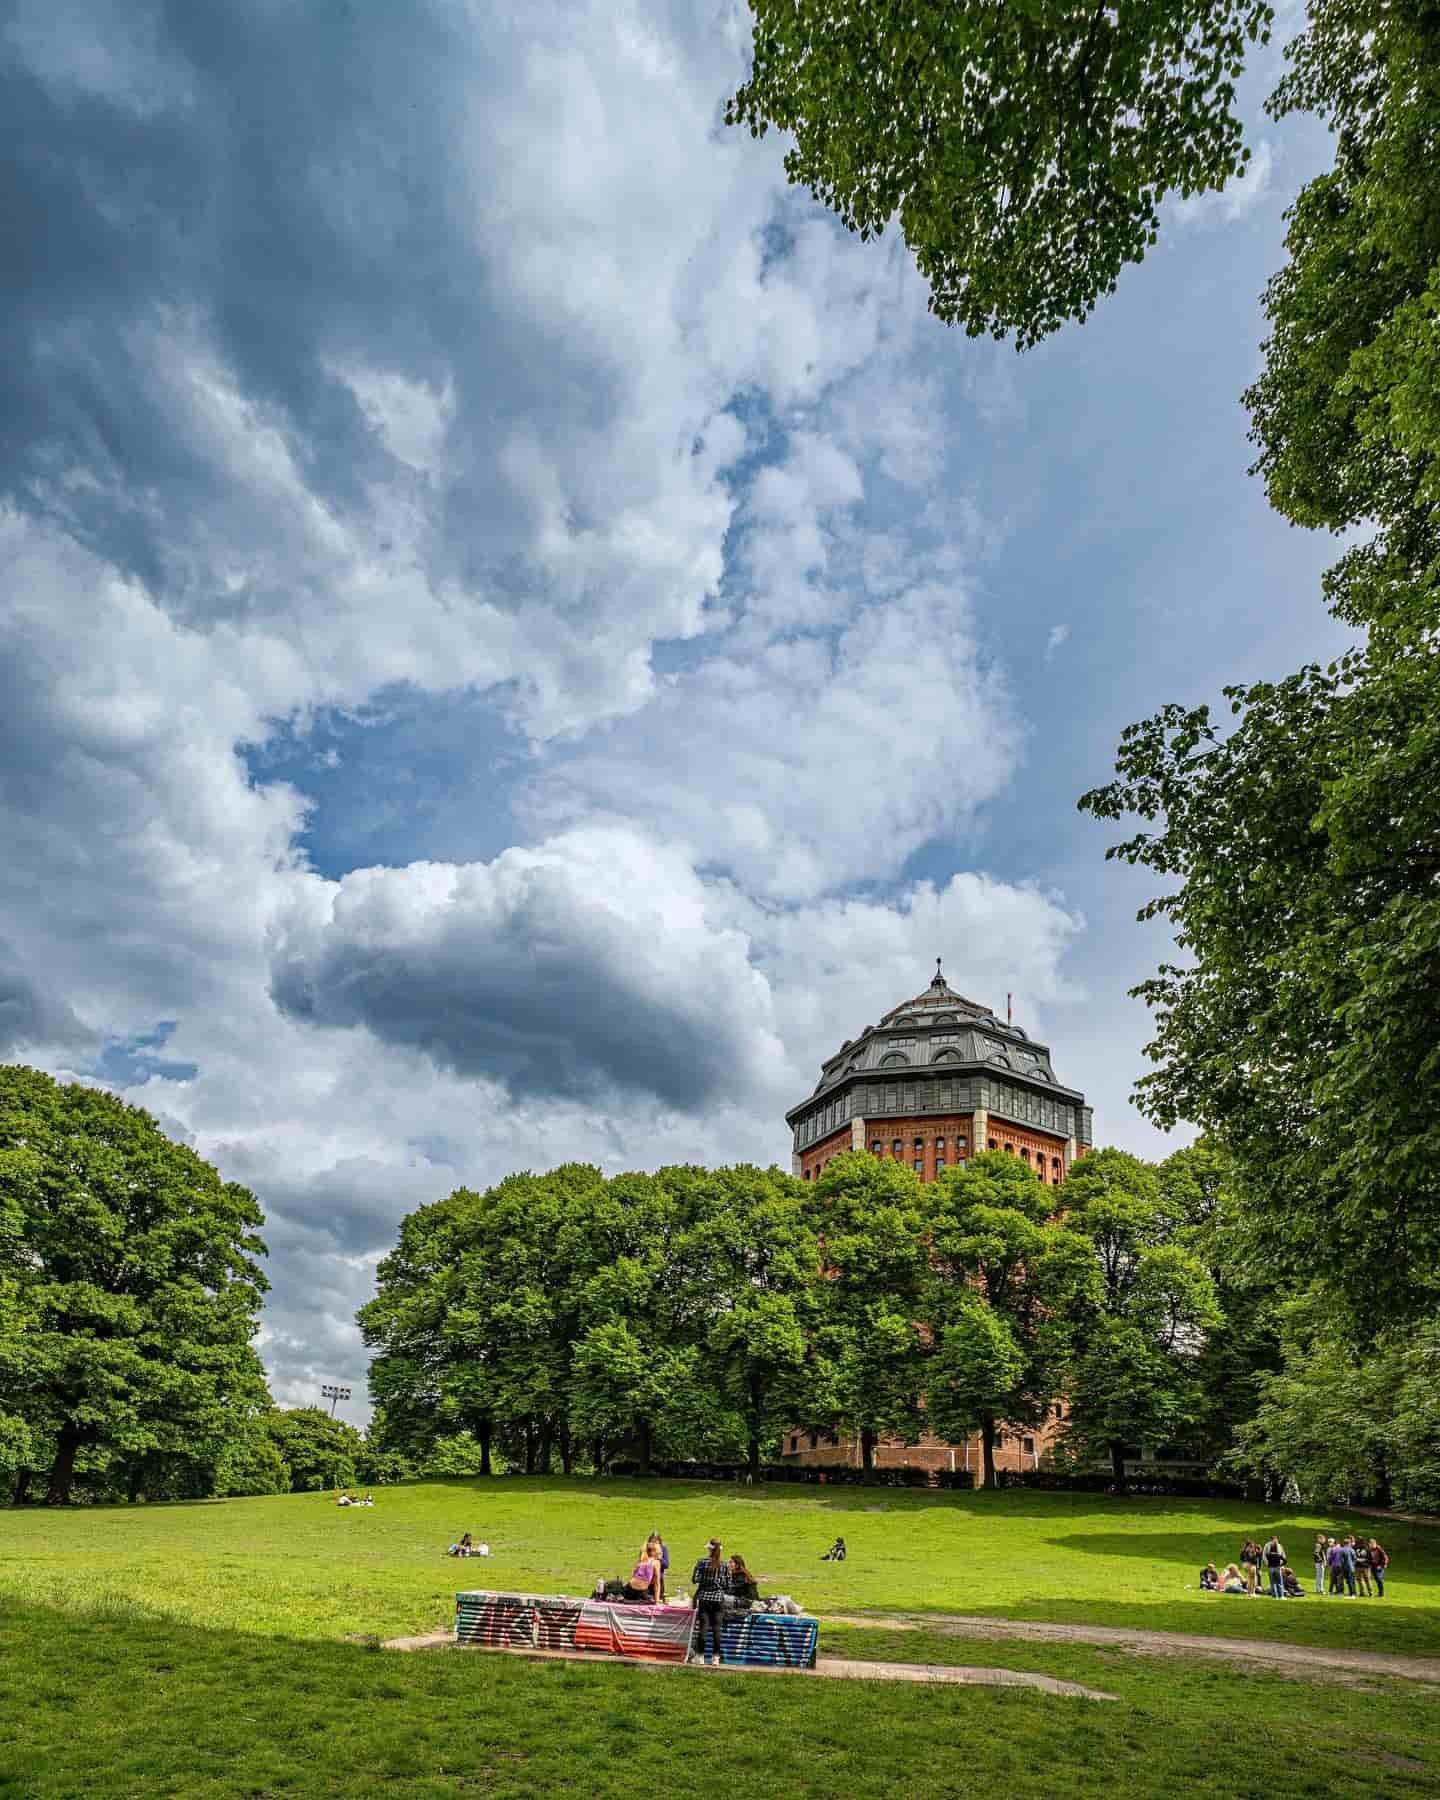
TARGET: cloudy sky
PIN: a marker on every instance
(519, 635)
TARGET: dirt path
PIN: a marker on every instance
(1289, 1659)
(834, 1668)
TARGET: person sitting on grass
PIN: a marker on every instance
(643, 1587)
(464, 1548)
(1209, 1580)
(836, 1552)
(1233, 1582)
(1293, 1589)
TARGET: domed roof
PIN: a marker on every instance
(939, 997)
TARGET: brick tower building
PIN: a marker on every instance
(937, 1080)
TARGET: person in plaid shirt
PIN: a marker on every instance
(711, 1580)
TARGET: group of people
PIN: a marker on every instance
(349, 1499)
(720, 1584)
(466, 1546)
(1348, 1564)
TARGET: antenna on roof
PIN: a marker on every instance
(939, 980)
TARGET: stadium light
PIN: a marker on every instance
(332, 1394)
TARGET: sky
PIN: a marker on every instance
(519, 634)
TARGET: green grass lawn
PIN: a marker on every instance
(299, 1565)
(200, 1651)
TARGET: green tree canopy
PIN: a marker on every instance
(319, 1451)
(132, 1297)
(1003, 1279)
(1024, 148)
(1136, 1332)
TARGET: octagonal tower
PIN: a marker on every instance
(938, 1079)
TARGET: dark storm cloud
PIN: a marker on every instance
(30, 1017)
(581, 972)
(279, 191)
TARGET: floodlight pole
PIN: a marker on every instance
(332, 1394)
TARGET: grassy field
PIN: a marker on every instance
(300, 1565)
(200, 1651)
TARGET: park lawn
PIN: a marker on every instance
(299, 1566)
(118, 1702)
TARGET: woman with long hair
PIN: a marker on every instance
(711, 1580)
(743, 1586)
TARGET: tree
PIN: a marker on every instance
(1001, 1278)
(1299, 853)
(320, 1452)
(868, 1216)
(753, 1264)
(137, 1283)
(1025, 148)
(1137, 1330)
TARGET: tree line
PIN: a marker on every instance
(567, 1319)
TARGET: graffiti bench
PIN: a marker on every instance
(498, 1621)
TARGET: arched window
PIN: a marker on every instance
(892, 1058)
(939, 1164)
(919, 1143)
(919, 1165)
(994, 1145)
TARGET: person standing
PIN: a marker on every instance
(710, 1579)
(1347, 1565)
(1335, 1557)
(1379, 1563)
(1250, 1563)
(1362, 1567)
(1275, 1566)
(1322, 1550)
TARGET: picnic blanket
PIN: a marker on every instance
(650, 1633)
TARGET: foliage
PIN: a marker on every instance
(1337, 1424)
(868, 1368)
(1138, 1328)
(130, 1298)
(1346, 410)
(1001, 1276)
(1025, 149)
(319, 1452)
(1299, 853)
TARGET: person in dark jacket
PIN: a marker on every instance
(836, 1552)
(744, 1589)
(1379, 1563)
(710, 1579)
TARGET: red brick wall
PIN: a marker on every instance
(929, 1453)
(1005, 1136)
(813, 1160)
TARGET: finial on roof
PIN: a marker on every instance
(939, 980)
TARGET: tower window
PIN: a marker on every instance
(876, 1148)
(919, 1143)
(919, 1165)
(993, 1144)
(961, 1141)
(939, 1164)
(939, 1146)
(897, 1148)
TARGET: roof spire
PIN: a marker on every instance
(939, 980)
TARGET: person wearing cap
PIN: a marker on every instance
(710, 1579)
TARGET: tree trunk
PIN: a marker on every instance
(1384, 1493)
(867, 1447)
(62, 1471)
(756, 1414)
(647, 1445)
(23, 1478)
(987, 1452)
(546, 1445)
(529, 1448)
(567, 1448)
(1117, 1463)
(484, 1433)
(597, 1455)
